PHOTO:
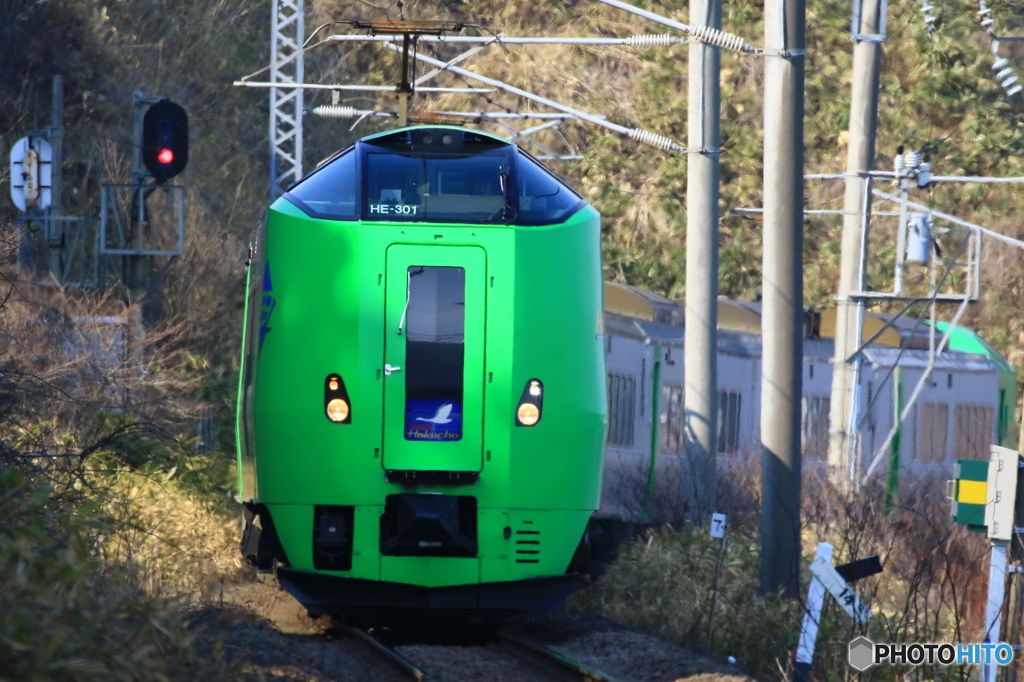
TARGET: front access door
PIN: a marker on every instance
(434, 358)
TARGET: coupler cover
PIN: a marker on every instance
(429, 525)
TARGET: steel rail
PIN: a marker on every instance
(550, 660)
(398, 660)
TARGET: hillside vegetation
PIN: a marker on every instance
(130, 521)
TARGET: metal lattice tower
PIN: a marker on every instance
(287, 34)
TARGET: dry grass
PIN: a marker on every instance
(180, 544)
(68, 616)
(932, 588)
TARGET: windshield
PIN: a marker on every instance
(329, 191)
(435, 175)
(543, 198)
(460, 189)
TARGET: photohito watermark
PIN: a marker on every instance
(864, 653)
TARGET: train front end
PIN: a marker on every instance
(422, 400)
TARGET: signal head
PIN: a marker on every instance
(165, 139)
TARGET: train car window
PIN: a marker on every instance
(729, 403)
(543, 198)
(972, 431)
(437, 189)
(329, 191)
(814, 426)
(621, 408)
(670, 421)
(934, 432)
(435, 352)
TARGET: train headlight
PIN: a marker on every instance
(530, 403)
(336, 401)
(528, 414)
(337, 410)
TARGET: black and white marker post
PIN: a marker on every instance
(718, 523)
(834, 580)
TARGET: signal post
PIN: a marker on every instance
(988, 497)
(1015, 580)
(160, 152)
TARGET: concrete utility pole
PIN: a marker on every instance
(54, 222)
(860, 158)
(783, 309)
(702, 192)
(1012, 630)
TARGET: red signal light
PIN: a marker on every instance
(165, 140)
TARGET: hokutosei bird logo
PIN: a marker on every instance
(441, 417)
(269, 303)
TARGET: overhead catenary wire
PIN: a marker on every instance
(342, 111)
(932, 178)
(704, 34)
(953, 219)
(346, 87)
(644, 136)
(641, 40)
(549, 154)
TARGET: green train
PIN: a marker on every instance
(422, 399)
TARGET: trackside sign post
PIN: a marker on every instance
(828, 578)
(843, 593)
(983, 497)
(31, 171)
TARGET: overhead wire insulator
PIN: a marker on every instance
(335, 111)
(1014, 90)
(655, 140)
(929, 18)
(1000, 63)
(1009, 81)
(924, 175)
(654, 40)
(1004, 73)
(726, 41)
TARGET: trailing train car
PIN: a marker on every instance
(967, 404)
(421, 406)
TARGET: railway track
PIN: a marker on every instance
(533, 661)
(405, 666)
(553, 662)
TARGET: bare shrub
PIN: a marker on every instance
(932, 588)
(933, 585)
(100, 409)
(68, 616)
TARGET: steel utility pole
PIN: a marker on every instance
(868, 35)
(783, 309)
(702, 192)
(54, 220)
(288, 31)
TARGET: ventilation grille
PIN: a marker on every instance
(527, 544)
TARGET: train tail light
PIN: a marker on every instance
(530, 404)
(336, 403)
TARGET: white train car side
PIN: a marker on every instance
(966, 404)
